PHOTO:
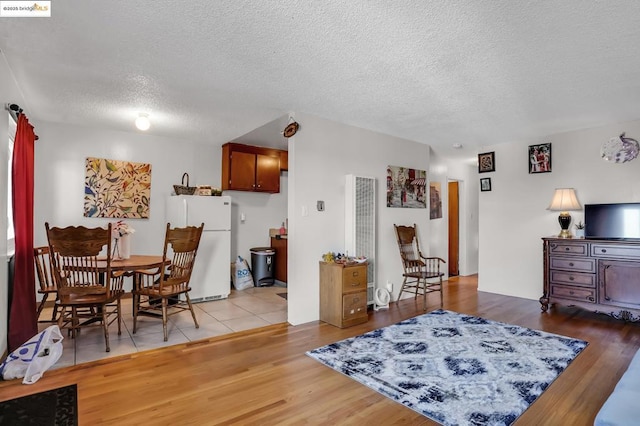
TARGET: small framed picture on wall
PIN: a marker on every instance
(485, 184)
(487, 162)
(540, 158)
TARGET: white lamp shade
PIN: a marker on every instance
(564, 200)
(142, 122)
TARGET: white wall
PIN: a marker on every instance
(320, 155)
(262, 211)
(513, 216)
(465, 173)
(59, 183)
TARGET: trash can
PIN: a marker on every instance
(262, 265)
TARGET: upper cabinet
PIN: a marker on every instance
(250, 168)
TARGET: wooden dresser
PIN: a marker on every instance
(343, 294)
(598, 275)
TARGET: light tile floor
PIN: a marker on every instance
(243, 310)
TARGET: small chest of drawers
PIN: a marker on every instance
(343, 294)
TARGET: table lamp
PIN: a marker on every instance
(564, 200)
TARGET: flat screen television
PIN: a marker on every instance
(612, 221)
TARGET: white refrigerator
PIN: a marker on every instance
(210, 279)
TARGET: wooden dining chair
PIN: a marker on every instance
(159, 291)
(46, 280)
(89, 292)
(419, 271)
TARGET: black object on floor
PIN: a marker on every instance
(283, 295)
(56, 407)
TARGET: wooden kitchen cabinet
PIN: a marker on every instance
(598, 275)
(343, 294)
(280, 246)
(250, 168)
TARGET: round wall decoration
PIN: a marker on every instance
(620, 149)
(291, 129)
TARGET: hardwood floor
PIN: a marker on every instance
(263, 377)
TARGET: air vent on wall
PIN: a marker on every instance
(360, 223)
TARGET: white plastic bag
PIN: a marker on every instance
(34, 357)
(243, 278)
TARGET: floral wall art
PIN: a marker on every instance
(116, 189)
(406, 187)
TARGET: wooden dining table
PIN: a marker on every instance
(136, 262)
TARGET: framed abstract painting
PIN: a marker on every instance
(487, 162)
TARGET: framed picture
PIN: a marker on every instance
(540, 158)
(485, 184)
(116, 189)
(487, 162)
(406, 187)
(435, 204)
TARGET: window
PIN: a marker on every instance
(10, 232)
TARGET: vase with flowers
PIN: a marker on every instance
(121, 232)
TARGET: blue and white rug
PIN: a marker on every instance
(455, 369)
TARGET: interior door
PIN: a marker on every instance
(454, 229)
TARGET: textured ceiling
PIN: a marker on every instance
(476, 72)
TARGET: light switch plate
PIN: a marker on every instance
(320, 206)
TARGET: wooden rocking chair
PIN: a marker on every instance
(419, 271)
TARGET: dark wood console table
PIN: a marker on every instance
(598, 275)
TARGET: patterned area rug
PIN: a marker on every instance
(57, 407)
(455, 369)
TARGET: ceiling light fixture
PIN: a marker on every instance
(142, 122)
(457, 145)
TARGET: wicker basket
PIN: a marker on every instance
(184, 189)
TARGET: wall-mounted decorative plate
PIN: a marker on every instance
(291, 129)
(620, 149)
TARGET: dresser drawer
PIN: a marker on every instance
(572, 278)
(575, 293)
(568, 248)
(615, 250)
(354, 305)
(354, 278)
(569, 264)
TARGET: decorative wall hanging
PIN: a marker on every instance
(291, 129)
(406, 187)
(116, 189)
(487, 162)
(485, 184)
(435, 201)
(620, 149)
(540, 158)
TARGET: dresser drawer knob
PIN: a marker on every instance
(604, 250)
(355, 274)
(356, 284)
(570, 263)
(590, 298)
(571, 278)
(566, 248)
(571, 292)
(607, 298)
